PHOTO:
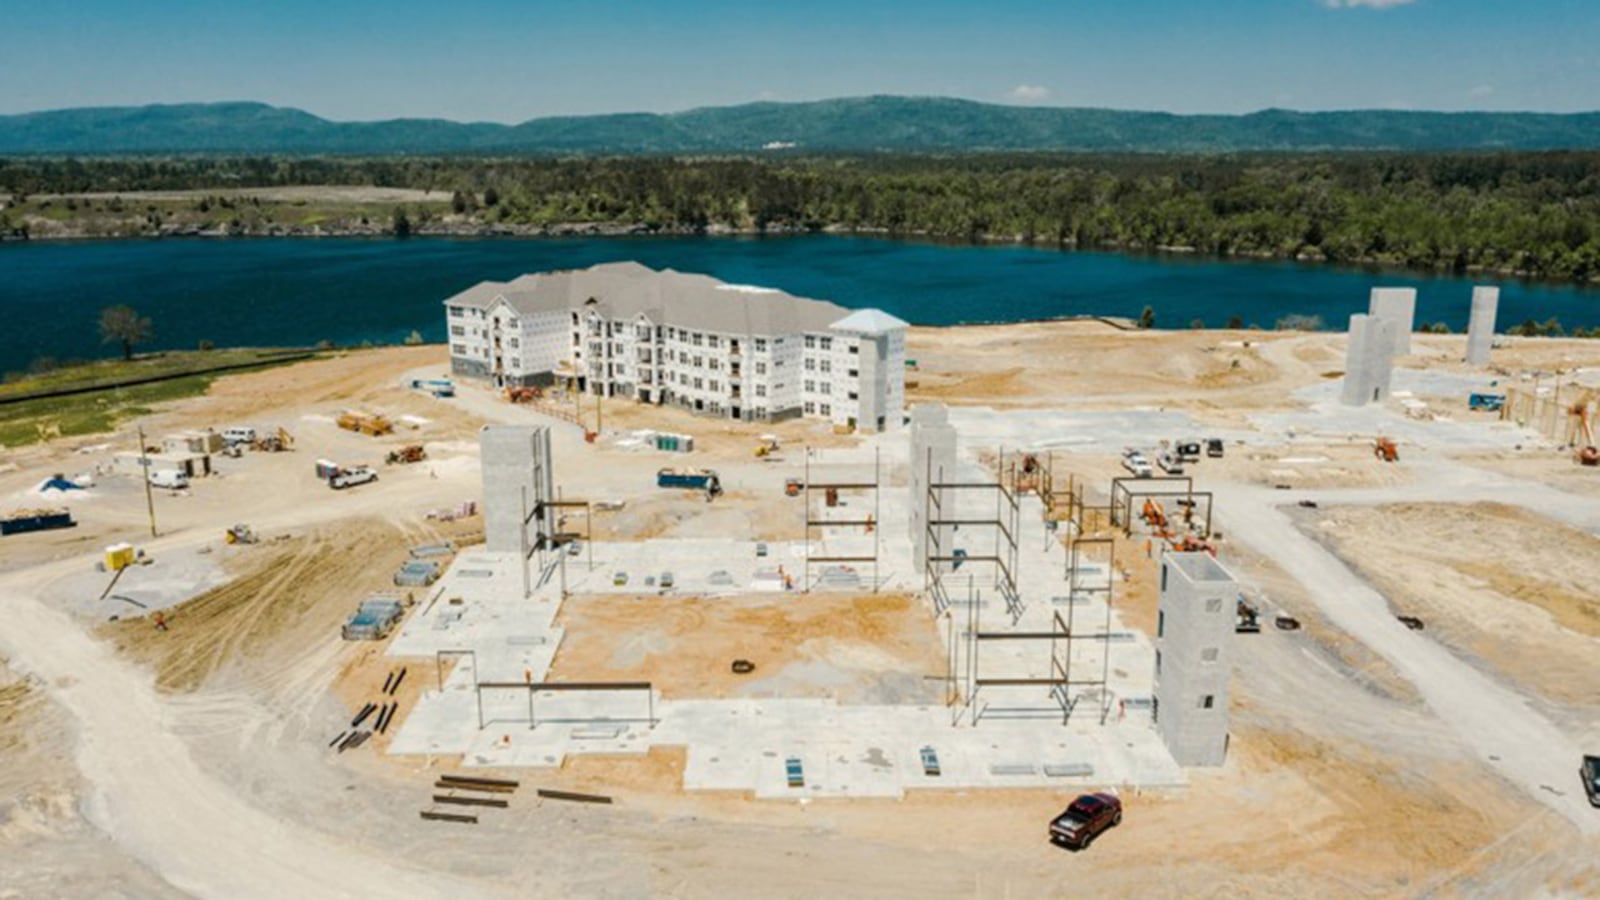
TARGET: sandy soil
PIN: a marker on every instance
(1360, 790)
(1496, 583)
(872, 648)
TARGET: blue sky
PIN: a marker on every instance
(509, 61)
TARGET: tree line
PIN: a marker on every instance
(1530, 214)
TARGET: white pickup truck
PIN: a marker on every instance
(345, 478)
(1135, 463)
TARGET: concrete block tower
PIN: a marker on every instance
(933, 455)
(1480, 327)
(1369, 361)
(1194, 635)
(1398, 307)
(516, 458)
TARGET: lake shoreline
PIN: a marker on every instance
(613, 230)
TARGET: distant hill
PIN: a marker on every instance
(861, 124)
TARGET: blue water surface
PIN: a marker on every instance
(296, 292)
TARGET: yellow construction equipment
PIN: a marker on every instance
(767, 447)
(412, 453)
(240, 534)
(365, 423)
(276, 442)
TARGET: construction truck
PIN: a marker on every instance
(240, 534)
(277, 442)
(523, 394)
(1247, 619)
(1386, 449)
(365, 423)
(793, 487)
(411, 453)
(1486, 402)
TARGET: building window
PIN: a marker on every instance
(854, 349)
(811, 364)
(761, 345)
(761, 390)
(825, 409)
(827, 388)
(825, 343)
(811, 342)
(854, 373)
(1209, 655)
(853, 396)
(761, 368)
(811, 386)
(827, 365)
(458, 330)
(810, 407)
(458, 349)
(1208, 701)
(1161, 624)
(1163, 578)
(711, 385)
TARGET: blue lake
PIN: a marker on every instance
(296, 292)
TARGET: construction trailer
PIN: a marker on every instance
(192, 443)
(192, 465)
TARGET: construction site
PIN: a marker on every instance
(360, 630)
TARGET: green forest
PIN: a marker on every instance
(1530, 214)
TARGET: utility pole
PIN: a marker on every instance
(149, 496)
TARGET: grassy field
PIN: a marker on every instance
(109, 400)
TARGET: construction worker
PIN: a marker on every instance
(1147, 548)
(160, 620)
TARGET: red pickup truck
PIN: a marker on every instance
(1081, 822)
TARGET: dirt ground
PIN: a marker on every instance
(1320, 797)
(871, 648)
(1495, 582)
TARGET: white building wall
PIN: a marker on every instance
(1480, 326)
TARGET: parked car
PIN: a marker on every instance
(620, 579)
(761, 549)
(1081, 822)
(575, 549)
(1170, 464)
(1135, 463)
(346, 478)
(1214, 448)
(1591, 778)
(666, 581)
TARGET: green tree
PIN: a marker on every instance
(123, 325)
(491, 197)
(402, 224)
(1147, 319)
(414, 338)
(1236, 322)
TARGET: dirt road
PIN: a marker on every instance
(150, 796)
(1498, 722)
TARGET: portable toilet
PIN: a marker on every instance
(119, 557)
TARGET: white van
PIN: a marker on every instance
(239, 434)
(171, 479)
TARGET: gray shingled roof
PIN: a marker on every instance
(626, 289)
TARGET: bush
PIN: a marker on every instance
(413, 339)
(206, 344)
(1147, 318)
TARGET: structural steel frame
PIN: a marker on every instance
(1125, 489)
(537, 687)
(874, 523)
(1007, 522)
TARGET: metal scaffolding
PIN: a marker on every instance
(1004, 526)
(814, 525)
(1124, 490)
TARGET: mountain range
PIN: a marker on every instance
(858, 124)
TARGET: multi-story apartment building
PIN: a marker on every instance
(665, 337)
